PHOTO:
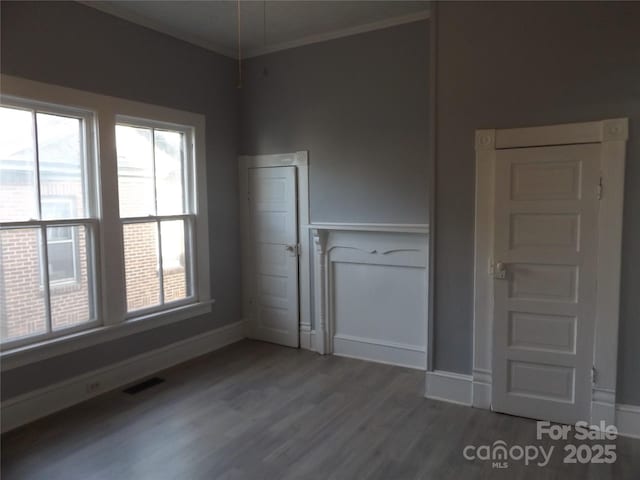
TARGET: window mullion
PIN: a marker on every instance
(155, 179)
(37, 172)
(44, 247)
(158, 220)
(44, 252)
(190, 248)
(109, 232)
(161, 268)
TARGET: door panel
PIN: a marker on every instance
(545, 236)
(273, 236)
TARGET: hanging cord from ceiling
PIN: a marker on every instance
(239, 47)
(265, 72)
(264, 22)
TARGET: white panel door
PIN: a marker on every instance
(274, 240)
(546, 206)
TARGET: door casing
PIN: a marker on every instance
(612, 134)
(301, 162)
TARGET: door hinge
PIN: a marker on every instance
(600, 189)
(594, 375)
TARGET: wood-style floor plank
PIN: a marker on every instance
(259, 411)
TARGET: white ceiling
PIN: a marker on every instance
(213, 24)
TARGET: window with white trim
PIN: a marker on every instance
(62, 243)
(157, 211)
(103, 219)
(47, 221)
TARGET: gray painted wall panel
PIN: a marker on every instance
(76, 46)
(360, 105)
(517, 64)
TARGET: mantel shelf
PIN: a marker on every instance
(417, 228)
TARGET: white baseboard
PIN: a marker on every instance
(481, 393)
(628, 420)
(402, 355)
(463, 390)
(449, 387)
(306, 334)
(26, 408)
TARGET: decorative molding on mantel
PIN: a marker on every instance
(418, 228)
(348, 319)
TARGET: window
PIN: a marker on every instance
(103, 219)
(157, 213)
(47, 222)
(63, 255)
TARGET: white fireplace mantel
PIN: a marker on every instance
(370, 291)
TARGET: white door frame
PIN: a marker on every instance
(612, 135)
(300, 160)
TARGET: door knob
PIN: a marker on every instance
(294, 249)
(500, 271)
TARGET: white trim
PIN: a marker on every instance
(346, 32)
(419, 228)
(306, 340)
(37, 352)
(300, 160)
(297, 159)
(39, 403)
(109, 238)
(201, 42)
(628, 420)
(393, 245)
(449, 387)
(456, 388)
(612, 134)
(565, 134)
(390, 353)
(113, 10)
(481, 397)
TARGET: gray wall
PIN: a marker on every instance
(76, 46)
(520, 64)
(360, 105)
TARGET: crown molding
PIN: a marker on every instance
(145, 22)
(345, 32)
(200, 42)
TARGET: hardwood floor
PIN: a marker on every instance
(259, 411)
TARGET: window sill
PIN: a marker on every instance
(25, 355)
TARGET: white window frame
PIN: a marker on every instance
(189, 218)
(89, 220)
(74, 248)
(110, 299)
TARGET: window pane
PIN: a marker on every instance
(173, 260)
(22, 302)
(62, 253)
(69, 276)
(18, 194)
(57, 207)
(135, 171)
(141, 265)
(60, 153)
(169, 172)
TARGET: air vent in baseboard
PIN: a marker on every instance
(139, 387)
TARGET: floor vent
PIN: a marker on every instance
(140, 387)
